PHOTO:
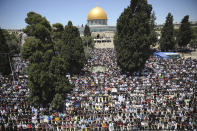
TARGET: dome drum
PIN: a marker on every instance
(97, 22)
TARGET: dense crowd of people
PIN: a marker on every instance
(161, 96)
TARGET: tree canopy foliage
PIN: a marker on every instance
(185, 33)
(88, 43)
(57, 102)
(9, 45)
(133, 39)
(4, 50)
(87, 31)
(152, 27)
(194, 32)
(167, 41)
(47, 69)
(72, 50)
(12, 42)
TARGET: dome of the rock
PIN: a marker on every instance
(97, 16)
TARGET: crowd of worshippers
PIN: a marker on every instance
(161, 96)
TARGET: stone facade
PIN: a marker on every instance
(103, 39)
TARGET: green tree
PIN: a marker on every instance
(87, 31)
(152, 27)
(12, 41)
(72, 51)
(57, 102)
(57, 37)
(167, 41)
(57, 31)
(9, 46)
(31, 45)
(88, 41)
(194, 32)
(193, 44)
(185, 33)
(176, 31)
(38, 27)
(4, 60)
(88, 44)
(46, 70)
(58, 69)
(133, 39)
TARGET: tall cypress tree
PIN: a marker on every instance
(46, 70)
(38, 49)
(185, 34)
(133, 39)
(57, 36)
(152, 27)
(72, 51)
(87, 31)
(167, 41)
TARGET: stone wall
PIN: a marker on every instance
(104, 36)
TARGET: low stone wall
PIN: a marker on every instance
(193, 54)
(104, 45)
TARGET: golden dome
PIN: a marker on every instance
(97, 13)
